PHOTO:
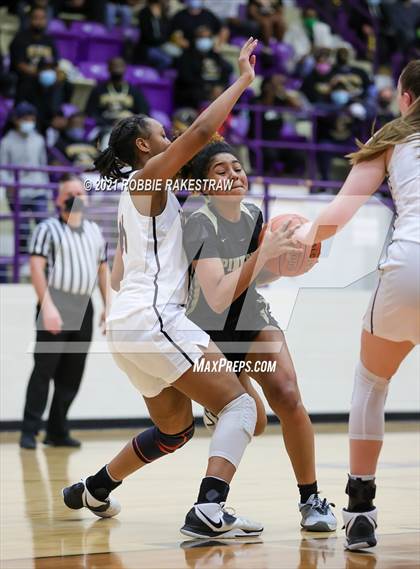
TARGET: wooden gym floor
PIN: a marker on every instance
(37, 531)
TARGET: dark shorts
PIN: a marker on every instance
(235, 344)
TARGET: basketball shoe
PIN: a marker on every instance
(77, 496)
(317, 515)
(213, 520)
(360, 529)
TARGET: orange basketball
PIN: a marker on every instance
(296, 263)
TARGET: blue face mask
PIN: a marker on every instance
(47, 77)
(340, 97)
(195, 4)
(204, 44)
(27, 127)
(76, 133)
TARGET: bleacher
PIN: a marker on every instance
(85, 48)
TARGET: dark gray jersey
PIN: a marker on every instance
(209, 235)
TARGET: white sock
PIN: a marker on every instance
(363, 477)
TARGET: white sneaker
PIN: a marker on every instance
(212, 520)
(360, 529)
(317, 515)
(78, 496)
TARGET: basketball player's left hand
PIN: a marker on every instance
(247, 60)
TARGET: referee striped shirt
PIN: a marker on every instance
(73, 254)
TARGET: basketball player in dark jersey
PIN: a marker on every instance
(219, 238)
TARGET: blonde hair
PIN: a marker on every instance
(400, 129)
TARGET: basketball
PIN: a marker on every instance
(292, 264)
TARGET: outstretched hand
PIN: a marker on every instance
(247, 60)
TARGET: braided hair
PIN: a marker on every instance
(121, 150)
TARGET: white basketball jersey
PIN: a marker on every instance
(155, 265)
(404, 183)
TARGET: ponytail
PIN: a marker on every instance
(121, 151)
(394, 132)
(108, 165)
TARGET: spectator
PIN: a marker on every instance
(316, 85)
(115, 99)
(310, 18)
(24, 146)
(404, 19)
(187, 21)
(385, 112)
(27, 49)
(82, 9)
(55, 129)
(119, 9)
(76, 9)
(50, 91)
(68, 255)
(269, 16)
(73, 144)
(182, 119)
(275, 86)
(229, 13)
(200, 69)
(24, 7)
(355, 78)
(361, 23)
(154, 35)
(342, 123)
(274, 94)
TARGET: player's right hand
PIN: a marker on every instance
(278, 242)
(247, 60)
(52, 319)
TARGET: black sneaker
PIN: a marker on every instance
(360, 529)
(65, 442)
(212, 520)
(28, 441)
(77, 496)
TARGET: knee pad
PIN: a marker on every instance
(367, 413)
(234, 429)
(152, 444)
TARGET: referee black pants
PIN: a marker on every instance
(61, 358)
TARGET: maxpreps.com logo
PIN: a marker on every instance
(224, 365)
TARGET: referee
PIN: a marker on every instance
(68, 256)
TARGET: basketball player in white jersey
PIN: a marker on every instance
(152, 340)
(391, 327)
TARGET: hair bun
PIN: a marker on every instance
(216, 138)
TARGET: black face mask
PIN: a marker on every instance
(117, 76)
(383, 103)
(38, 29)
(74, 204)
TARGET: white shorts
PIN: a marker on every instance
(394, 309)
(155, 350)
